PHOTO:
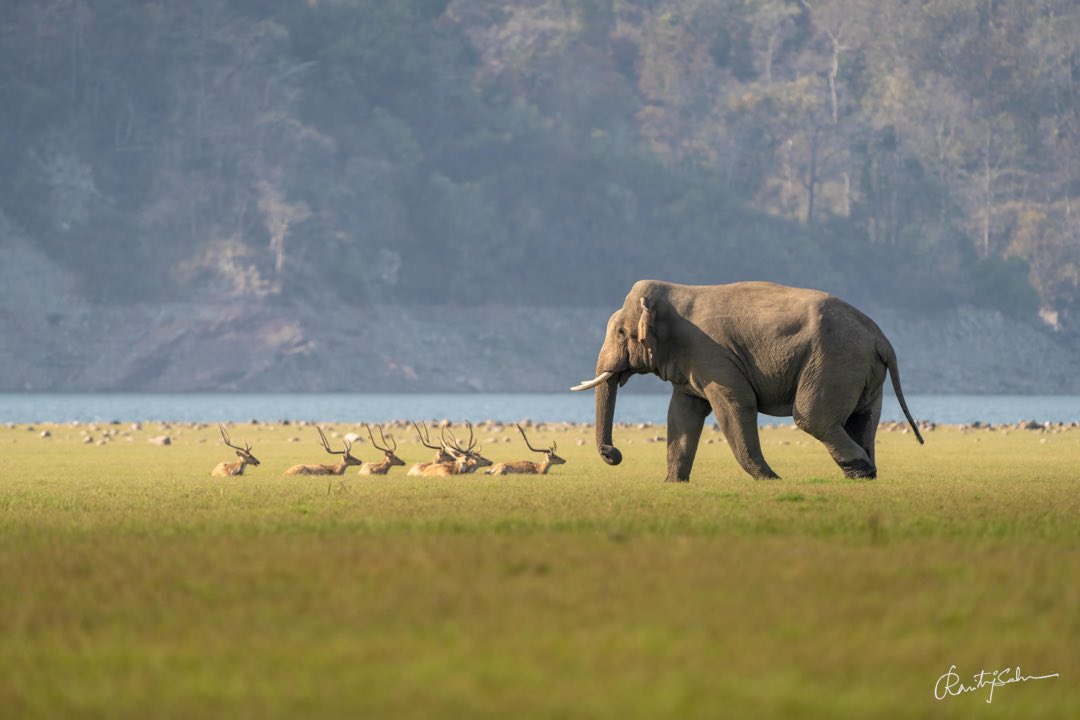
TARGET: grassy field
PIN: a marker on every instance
(133, 585)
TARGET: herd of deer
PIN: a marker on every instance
(451, 457)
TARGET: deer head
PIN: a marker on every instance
(470, 451)
(387, 448)
(244, 453)
(346, 456)
(549, 453)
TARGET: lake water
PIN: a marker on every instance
(633, 408)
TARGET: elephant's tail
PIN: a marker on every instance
(888, 356)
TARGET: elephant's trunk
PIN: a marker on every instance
(605, 416)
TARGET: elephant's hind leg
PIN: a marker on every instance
(862, 427)
(845, 452)
(686, 418)
(823, 410)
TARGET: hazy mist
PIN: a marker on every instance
(433, 194)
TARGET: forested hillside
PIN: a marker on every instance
(349, 152)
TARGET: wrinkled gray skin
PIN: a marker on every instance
(744, 348)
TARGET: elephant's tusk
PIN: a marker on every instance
(592, 383)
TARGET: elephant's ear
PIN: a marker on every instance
(645, 329)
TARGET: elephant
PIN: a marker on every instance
(739, 349)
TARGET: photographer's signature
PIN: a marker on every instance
(950, 685)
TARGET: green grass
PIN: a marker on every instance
(134, 585)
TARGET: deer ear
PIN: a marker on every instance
(645, 324)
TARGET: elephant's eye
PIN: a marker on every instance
(633, 336)
(622, 333)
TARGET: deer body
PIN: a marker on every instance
(347, 460)
(522, 467)
(528, 467)
(379, 468)
(338, 469)
(420, 468)
(231, 469)
(461, 465)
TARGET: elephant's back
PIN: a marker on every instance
(844, 323)
(751, 310)
(799, 311)
(757, 292)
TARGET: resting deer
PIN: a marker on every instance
(443, 454)
(526, 467)
(389, 458)
(339, 469)
(232, 469)
(461, 465)
(479, 460)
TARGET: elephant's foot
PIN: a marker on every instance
(858, 470)
(767, 476)
(677, 480)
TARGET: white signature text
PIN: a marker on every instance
(950, 685)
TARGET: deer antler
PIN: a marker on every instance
(425, 438)
(457, 445)
(527, 443)
(453, 443)
(472, 443)
(373, 443)
(385, 447)
(392, 448)
(225, 437)
(326, 444)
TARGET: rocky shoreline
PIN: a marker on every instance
(488, 432)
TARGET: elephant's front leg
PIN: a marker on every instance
(738, 422)
(685, 419)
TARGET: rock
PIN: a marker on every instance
(160, 440)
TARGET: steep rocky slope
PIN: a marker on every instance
(53, 340)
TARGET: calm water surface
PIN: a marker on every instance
(26, 408)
